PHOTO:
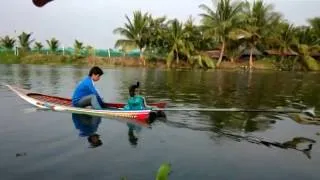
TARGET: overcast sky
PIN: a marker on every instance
(92, 21)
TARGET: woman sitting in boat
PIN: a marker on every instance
(86, 94)
(136, 102)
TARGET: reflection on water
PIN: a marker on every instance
(190, 90)
(54, 79)
(78, 74)
(88, 126)
(233, 89)
(300, 144)
(295, 144)
(133, 133)
(24, 76)
(199, 141)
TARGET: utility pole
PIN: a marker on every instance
(16, 52)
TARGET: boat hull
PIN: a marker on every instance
(61, 104)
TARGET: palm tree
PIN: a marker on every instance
(196, 44)
(307, 44)
(135, 32)
(256, 20)
(315, 25)
(38, 46)
(193, 33)
(284, 40)
(284, 37)
(78, 47)
(7, 42)
(313, 34)
(157, 27)
(306, 37)
(220, 20)
(53, 44)
(176, 37)
(90, 50)
(25, 41)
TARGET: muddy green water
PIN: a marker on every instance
(48, 145)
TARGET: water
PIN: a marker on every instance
(47, 145)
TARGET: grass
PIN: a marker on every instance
(266, 63)
(9, 58)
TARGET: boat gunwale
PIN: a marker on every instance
(24, 94)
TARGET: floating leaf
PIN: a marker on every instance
(163, 171)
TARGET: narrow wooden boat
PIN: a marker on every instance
(62, 104)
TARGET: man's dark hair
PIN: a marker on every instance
(95, 70)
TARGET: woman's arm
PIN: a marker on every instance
(145, 103)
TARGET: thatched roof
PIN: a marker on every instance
(213, 53)
(255, 52)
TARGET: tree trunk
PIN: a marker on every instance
(142, 58)
(251, 59)
(177, 57)
(221, 54)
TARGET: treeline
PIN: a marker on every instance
(229, 31)
(231, 28)
(25, 43)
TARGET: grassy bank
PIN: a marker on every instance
(54, 59)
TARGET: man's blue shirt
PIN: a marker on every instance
(85, 88)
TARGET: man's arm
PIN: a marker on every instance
(94, 91)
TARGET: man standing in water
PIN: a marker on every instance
(86, 94)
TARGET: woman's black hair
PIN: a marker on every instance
(95, 70)
(132, 89)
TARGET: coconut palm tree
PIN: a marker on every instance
(156, 43)
(197, 44)
(25, 41)
(157, 28)
(176, 37)
(78, 47)
(307, 44)
(284, 37)
(220, 20)
(38, 46)
(135, 32)
(283, 40)
(7, 42)
(53, 44)
(90, 50)
(315, 25)
(193, 33)
(257, 19)
(306, 37)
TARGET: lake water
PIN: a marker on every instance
(47, 145)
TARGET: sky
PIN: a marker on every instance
(93, 21)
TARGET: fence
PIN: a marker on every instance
(83, 52)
